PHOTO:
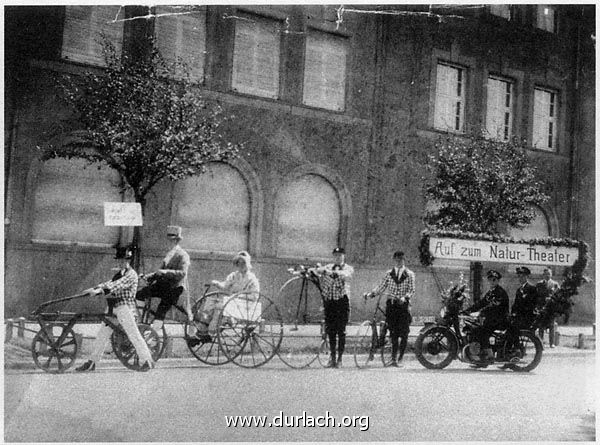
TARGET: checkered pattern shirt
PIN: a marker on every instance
(392, 289)
(122, 288)
(334, 288)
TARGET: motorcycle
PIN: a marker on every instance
(452, 337)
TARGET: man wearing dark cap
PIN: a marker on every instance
(399, 286)
(335, 289)
(523, 308)
(170, 280)
(122, 289)
(493, 307)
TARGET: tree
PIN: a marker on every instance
(144, 118)
(478, 183)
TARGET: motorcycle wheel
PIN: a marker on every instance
(436, 347)
(528, 352)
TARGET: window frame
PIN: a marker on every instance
(464, 84)
(264, 20)
(345, 43)
(555, 128)
(510, 126)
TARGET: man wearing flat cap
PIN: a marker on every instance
(335, 290)
(170, 280)
(523, 308)
(493, 307)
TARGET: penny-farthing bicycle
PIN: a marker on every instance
(303, 320)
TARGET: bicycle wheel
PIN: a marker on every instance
(125, 351)
(323, 356)
(54, 353)
(365, 346)
(250, 330)
(302, 315)
(206, 349)
(147, 317)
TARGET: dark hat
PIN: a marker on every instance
(523, 270)
(123, 253)
(494, 274)
(339, 250)
(174, 232)
(398, 254)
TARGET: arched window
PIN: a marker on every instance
(214, 210)
(538, 228)
(308, 218)
(69, 202)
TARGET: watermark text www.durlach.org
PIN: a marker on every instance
(304, 421)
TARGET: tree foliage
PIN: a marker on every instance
(144, 118)
(143, 122)
(478, 183)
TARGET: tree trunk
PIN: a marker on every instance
(138, 261)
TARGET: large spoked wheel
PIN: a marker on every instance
(527, 354)
(436, 347)
(125, 351)
(250, 329)
(302, 315)
(54, 353)
(366, 346)
(323, 357)
(201, 340)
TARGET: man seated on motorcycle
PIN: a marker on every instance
(493, 308)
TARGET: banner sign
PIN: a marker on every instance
(122, 214)
(490, 251)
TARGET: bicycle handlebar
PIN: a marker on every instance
(37, 310)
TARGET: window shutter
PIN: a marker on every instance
(84, 25)
(214, 210)
(183, 37)
(325, 72)
(308, 221)
(256, 59)
(68, 202)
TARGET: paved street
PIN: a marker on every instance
(184, 401)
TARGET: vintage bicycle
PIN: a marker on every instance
(373, 338)
(54, 347)
(303, 321)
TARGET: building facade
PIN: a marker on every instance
(338, 110)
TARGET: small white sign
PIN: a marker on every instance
(122, 214)
(517, 253)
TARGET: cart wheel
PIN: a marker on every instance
(250, 330)
(204, 349)
(125, 351)
(147, 316)
(54, 353)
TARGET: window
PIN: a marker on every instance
(544, 119)
(546, 18)
(308, 221)
(214, 210)
(256, 58)
(325, 71)
(500, 10)
(182, 37)
(83, 30)
(499, 115)
(538, 228)
(69, 202)
(449, 98)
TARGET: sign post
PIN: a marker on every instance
(122, 214)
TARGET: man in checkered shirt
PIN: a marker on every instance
(399, 287)
(122, 288)
(335, 289)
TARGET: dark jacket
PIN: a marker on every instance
(524, 305)
(493, 306)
